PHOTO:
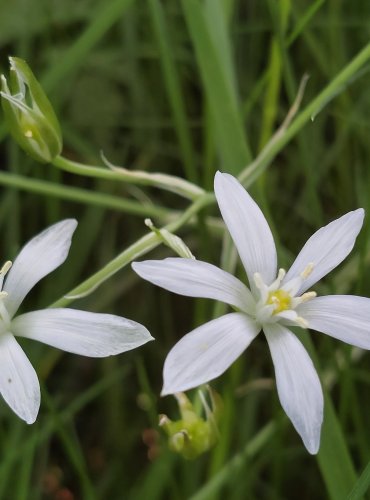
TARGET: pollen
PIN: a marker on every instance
(280, 299)
(28, 134)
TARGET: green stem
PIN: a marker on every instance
(158, 180)
(83, 196)
(254, 170)
(140, 247)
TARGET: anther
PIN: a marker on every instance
(276, 284)
(307, 270)
(258, 281)
(28, 134)
(3, 295)
(8, 264)
(281, 274)
(308, 296)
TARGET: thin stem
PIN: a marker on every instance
(83, 196)
(137, 249)
(111, 172)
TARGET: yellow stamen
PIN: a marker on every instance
(280, 299)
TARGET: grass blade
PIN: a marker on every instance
(173, 87)
(362, 485)
(220, 93)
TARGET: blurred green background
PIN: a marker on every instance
(186, 87)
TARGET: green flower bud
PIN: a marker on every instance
(192, 435)
(29, 115)
(171, 240)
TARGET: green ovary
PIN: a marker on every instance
(280, 299)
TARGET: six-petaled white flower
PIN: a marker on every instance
(79, 332)
(275, 301)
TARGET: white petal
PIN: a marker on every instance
(44, 253)
(344, 317)
(81, 332)
(298, 384)
(206, 352)
(194, 278)
(248, 228)
(19, 385)
(327, 248)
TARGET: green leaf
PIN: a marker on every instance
(362, 485)
(216, 73)
(174, 91)
(334, 460)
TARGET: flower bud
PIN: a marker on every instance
(171, 240)
(29, 115)
(192, 435)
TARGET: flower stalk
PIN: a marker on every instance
(141, 247)
(111, 172)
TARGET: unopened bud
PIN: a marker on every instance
(171, 240)
(193, 434)
(29, 115)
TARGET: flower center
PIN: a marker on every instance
(278, 301)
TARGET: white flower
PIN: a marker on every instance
(275, 301)
(80, 332)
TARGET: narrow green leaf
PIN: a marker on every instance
(333, 458)
(104, 17)
(217, 24)
(80, 195)
(45, 429)
(174, 91)
(271, 102)
(303, 20)
(362, 485)
(219, 90)
(227, 473)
